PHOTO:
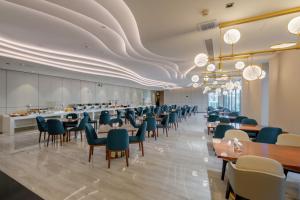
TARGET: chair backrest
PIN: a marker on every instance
(116, 120)
(117, 139)
(257, 178)
(142, 131)
(268, 135)
(72, 115)
(221, 129)
(288, 140)
(104, 117)
(248, 121)
(151, 124)
(42, 124)
(83, 122)
(172, 117)
(212, 118)
(90, 134)
(233, 114)
(55, 127)
(224, 120)
(165, 121)
(85, 114)
(239, 119)
(131, 120)
(240, 135)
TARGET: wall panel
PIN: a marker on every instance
(71, 91)
(22, 90)
(88, 92)
(50, 91)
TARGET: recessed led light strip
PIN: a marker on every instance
(125, 70)
(79, 68)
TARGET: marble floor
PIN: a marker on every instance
(181, 166)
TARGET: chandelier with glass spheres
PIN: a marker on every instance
(215, 76)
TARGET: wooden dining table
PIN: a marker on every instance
(288, 156)
(243, 127)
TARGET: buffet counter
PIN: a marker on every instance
(10, 124)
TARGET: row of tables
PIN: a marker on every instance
(288, 156)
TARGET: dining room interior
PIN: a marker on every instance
(149, 99)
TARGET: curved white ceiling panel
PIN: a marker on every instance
(95, 37)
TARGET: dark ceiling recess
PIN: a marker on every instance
(229, 5)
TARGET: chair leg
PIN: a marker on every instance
(154, 132)
(81, 136)
(45, 136)
(142, 145)
(228, 190)
(127, 155)
(48, 140)
(61, 140)
(223, 169)
(109, 158)
(139, 146)
(40, 137)
(90, 152)
(167, 132)
(148, 134)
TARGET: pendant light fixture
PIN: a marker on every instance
(201, 60)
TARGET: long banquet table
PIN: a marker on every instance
(243, 127)
(11, 123)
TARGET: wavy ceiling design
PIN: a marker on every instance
(97, 37)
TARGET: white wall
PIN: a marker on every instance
(38, 90)
(190, 96)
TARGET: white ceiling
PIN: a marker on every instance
(151, 42)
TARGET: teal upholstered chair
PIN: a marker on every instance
(239, 119)
(132, 122)
(173, 121)
(55, 128)
(117, 141)
(151, 126)
(233, 114)
(79, 128)
(268, 135)
(90, 121)
(93, 140)
(212, 118)
(139, 137)
(221, 129)
(116, 120)
(42, 126)
(224, 120)
(164, 124)
(104, 118)
(249, 121)
(71, 124)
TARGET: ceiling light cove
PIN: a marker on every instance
(113, 41)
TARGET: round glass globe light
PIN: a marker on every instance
(195, 78)
(252, 72)
(294, 25)
(232, 36)
(263, 74)
(218, 90)
(237, 84)
(207, 88)
(211, 67)
(225, 92)
(195, 85)
(239, 65)
(201, 60)
(215, 82)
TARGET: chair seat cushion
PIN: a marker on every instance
(133, 139)
(100, 141)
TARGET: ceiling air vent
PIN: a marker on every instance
(207, 25)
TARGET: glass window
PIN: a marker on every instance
(213, 99)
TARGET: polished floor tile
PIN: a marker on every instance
(181, 166)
